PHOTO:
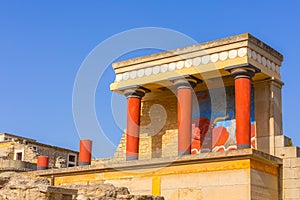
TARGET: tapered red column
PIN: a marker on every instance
(85, 152)
(243, 112)
(184, 96)
(42, 162)
(134, 97)
(242, 84)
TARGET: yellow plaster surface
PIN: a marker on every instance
(82, 178)
(6, 144)
(264, 168)
(156, 185)
(168, 170)
(181, 169)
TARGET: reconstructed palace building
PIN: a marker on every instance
(203, 122)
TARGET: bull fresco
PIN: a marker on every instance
(213, 124)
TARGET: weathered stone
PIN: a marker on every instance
(122, 191)
(4, 178)
(23, 186)
(139, 197)
(106, 192)
(29, 150)
(81, 197)
(20, 187)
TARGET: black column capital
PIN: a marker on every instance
(243, 71)
(186, 81)
(135, 91)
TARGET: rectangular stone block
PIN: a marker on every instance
(289, 173)
(233, 192)
(286, 162)
(259, 193)
(295, 162)
(265, 180)
(287, 152)
(186, 180)
(234, 177)
(282, 141)
(184, 194)
(263, 144)
(292, 193)
(291, 183)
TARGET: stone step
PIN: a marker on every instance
(282, 141)
(287, 152)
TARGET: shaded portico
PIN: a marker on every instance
(239, 61)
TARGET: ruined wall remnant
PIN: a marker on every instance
(13, 147)
(20, 186)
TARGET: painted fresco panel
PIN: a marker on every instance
(213, 124)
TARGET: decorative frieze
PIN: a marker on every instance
(197, 61)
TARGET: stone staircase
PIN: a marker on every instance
(291, 166)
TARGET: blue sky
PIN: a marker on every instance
(42, 45)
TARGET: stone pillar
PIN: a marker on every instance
(268, 113)
(242, 82)
(184, 86)
(85, 152)
(42, 162)
(134, 96)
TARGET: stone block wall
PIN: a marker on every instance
(158, 133)
(291, 178)
(268, 114)
(265, 185)
(6, 151)
(291, 167)
(16, 165)
(58, 157)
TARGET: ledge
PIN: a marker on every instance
(110, 165)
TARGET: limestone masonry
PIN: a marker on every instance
(20, 154)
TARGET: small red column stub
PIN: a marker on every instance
(242, 85)
(42, 162)
(134, 96)
(185, 92)
(85, 152)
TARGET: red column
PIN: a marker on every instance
(133, 121)
(184, 96)
(85, 152)
(243, 112)
(242, 83)
(133, 128)
(42, 162)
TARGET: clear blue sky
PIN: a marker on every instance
(43, 44)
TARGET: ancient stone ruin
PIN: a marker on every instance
(19, 186)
